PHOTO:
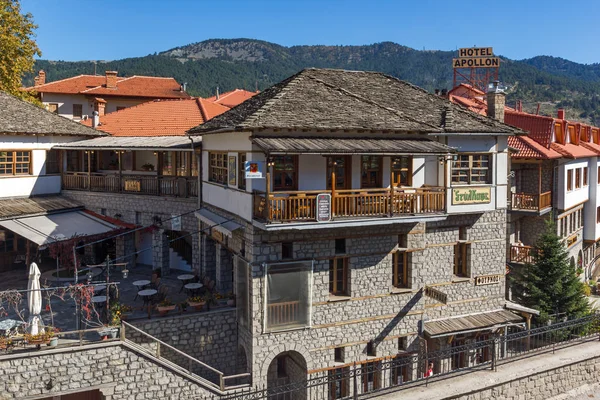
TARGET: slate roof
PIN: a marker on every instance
(134, 86)
(295, 145)
(331, 99)
(159, 118)
(20, 117)
(16, 207)
(466, 323)
(132, 142)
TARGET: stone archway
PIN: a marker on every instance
(285, 374)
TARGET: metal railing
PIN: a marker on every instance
(389, 374)
(154, 347)
(177, 186)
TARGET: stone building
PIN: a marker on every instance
(554, 174)
(356, 217)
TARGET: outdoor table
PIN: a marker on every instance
(193, 288)
(146, 294)
(185, 279)
(140, 285)
(99, 288)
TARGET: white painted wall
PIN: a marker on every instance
(591, 229)
(568, 199)
(38, 183)
(233, 201)
(65, 103)
(312, 171)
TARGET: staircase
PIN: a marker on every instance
(180, 251)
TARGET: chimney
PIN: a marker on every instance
(111, 79)
(40, 79)
(561, 113)
(184, 86)
(496, 99)
(95, 119)
(437, 92)
(99, 106)
(444, 93)
(217, 93)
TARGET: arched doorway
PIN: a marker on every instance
(286, 369)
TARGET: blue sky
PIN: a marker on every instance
(106, 30)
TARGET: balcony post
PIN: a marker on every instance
(391, 210)
(268, 190)
(333, 165)
(89, 169)
(539, 186)
(120, 169)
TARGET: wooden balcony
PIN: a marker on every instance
(522, 254)
(283, 313)
(363, 203)
(176, 186)
(531, 201)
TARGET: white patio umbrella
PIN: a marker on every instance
(34, 299)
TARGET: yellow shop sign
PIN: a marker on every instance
(469, 195)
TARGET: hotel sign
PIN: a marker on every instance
(470, 195)
(323, 207)
(476, 57)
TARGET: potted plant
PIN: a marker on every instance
(197, 302)
(51, 336)
(119, 312)
(148, 167)
(164, 307)
(183, 306)
(5, 343)
(210, 298)
(231, 299)
(38, 339)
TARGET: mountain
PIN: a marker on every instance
(549, 82)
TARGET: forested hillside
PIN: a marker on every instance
(252, 64)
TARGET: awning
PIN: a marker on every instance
(219, 223)
(293, 145)
(470, 323)
(17, 207)
(47, 229)
(134, 143)
(517, 307)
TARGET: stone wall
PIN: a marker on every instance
(117, 371)
(210, 337)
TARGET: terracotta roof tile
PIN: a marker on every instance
(529, 148)
(134, 86)
(573, 151)
(538, 126)
(159, 118)
(232, 98)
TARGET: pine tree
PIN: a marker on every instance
(550, 285)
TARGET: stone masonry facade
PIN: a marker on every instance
(144, 211)
(374, 312)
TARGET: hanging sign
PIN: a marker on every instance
(323, 207)
(176, 223)
(254, 169)
(476, 57)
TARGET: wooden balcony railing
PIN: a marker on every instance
(531, 201)
(177, 186)
(522, 254)
(302, 206)
(284, 313)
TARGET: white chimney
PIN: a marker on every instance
(217, 93)
(95, 119)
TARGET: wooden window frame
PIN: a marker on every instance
(585, 176)
(283, 172)
(598, 215)
(461, 250)
(371, 369)
(13, 164)
(400, 368)
(334, 270)
(347, 172)
(457, 172)
(379, 173)
(57, 164)
(569, 180)
(577, 178)
(217, 167)
(242, 171)
(400, 277)
(398, 169)
(339, 376)
(598, 172)
(80, 115)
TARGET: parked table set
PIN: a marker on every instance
(193, 288)
(147, 294)
(185, 279)
(140, 285)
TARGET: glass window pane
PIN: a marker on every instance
(288, 295)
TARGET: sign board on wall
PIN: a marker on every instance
(471, 195)
(323, 207)
(176, 222)
(254, 169)
(476, 57)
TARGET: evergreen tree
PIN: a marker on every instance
(550, 285)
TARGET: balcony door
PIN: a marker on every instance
(370, 174)
(341, 166)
